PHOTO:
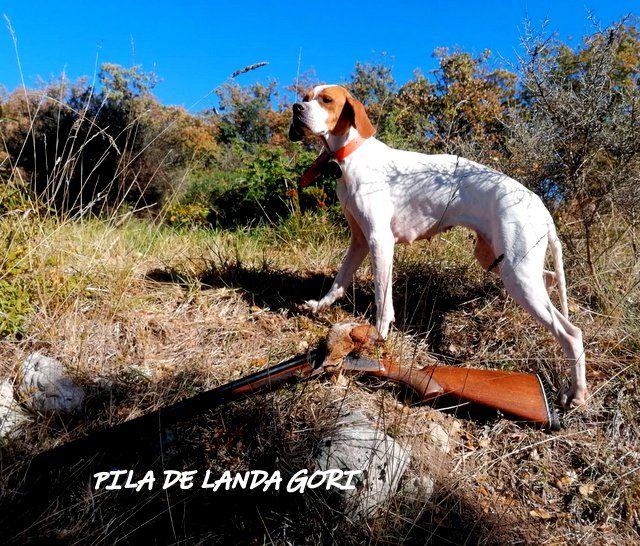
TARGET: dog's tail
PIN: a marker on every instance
(558, 266)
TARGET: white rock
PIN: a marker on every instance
(357, 444)
(419, 489)
(12, 416)
(440, 438)
(46, 387)
(140, 371)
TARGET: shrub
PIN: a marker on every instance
(263, 188)
(575, 139)
(84, 149)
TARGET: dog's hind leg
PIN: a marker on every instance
(530, 292)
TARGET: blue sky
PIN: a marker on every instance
(195, 46)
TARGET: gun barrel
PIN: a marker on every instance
(154, 422)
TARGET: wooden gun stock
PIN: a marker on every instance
(519, 395)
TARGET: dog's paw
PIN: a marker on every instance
(383, 326)
(313, 306)
(574, 398)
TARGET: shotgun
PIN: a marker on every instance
(519, 395)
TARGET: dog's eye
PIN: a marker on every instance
(327, 100)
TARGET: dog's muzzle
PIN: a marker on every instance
(296, 131)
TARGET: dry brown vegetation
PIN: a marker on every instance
(143, 316)
(146, 305)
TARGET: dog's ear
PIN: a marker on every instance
(360, 119)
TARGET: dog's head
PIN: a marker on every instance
(329, 109)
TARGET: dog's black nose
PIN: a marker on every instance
(298, 108)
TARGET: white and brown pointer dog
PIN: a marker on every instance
(390, 196)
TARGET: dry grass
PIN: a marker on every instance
(143, 316)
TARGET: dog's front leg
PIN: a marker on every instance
(355, 255)
(381, 245)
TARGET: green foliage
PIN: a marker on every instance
(120, 83)
(409, 117)
(469, 103)
(15, 293)
(15, 297)
(465, 101)
(374, 86)
(15, 306)
(265, 188)
(580, 104)
(372, 83)
(12, 198)
(187, 215)
(245, 112)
